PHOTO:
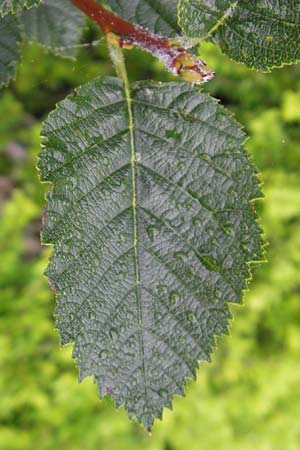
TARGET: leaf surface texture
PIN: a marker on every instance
(12, 6)
(262, 34)
(55, 24)
(9, 48)
(159, 16)
(153, 223)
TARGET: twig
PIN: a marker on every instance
(123, 34)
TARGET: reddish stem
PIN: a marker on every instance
(109, 22)
(125, 34)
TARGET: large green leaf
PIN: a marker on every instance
(9, 48)
(55, 24)
(8, 6)
(262, 34)
(152, 216)
(156, 15)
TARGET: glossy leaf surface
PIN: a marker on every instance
(262, 34)
(152, 217)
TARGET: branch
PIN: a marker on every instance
(124, 34)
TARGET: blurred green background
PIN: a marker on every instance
(249, 396)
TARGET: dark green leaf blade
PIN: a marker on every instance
(153, 225)
(12, 6)
(198, 18)
(260, 34)
(55, 24)
(9, 48)
(158, 16)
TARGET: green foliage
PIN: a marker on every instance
(9, 48)
(55, 24)
(12, 6)
(158, 16)
(150, 242)
(260, 34)
(249, 395)
(267, 337)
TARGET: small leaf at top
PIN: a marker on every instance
(56, 25)
(261, 34)
(9, 48)
(12, 6)
(152, 216)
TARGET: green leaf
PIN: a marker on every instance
(55, 24)
(12, 6)
(198, 18)
(9, 48)
(260, 34)
(152, 217)
(157, 16)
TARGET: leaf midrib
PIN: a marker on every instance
(133, 165)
